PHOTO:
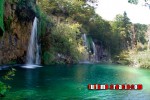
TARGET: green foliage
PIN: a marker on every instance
(26, 10)
(133, 1)
(76, 9)
(125, 35)
(121, 35)
(3, 87)
(140, 59)
(122, 58)
(64, 39)
(99, 30)
(147, 4)
(141, 29)
(59, 6)
(45, 22)
(9, 74)
(1, 17)
(48, 57)
(12, 62)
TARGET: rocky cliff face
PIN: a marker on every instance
(13, 44)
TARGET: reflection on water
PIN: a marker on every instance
(80, 74)
(70, 83)
(31, 78)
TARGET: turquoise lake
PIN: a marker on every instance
(69, 82)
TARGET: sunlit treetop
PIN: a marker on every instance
(147, 2)
(133, 1)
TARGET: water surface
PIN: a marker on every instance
(69, 82)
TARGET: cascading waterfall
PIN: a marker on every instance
(95, 52)
(86, 54)
(38, 59)
(85, 40)
(33, 52)
(88, 57)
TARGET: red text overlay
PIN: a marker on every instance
(115, 87)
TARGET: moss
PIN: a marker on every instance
(45, 22)
(42, 25)
(1, 17)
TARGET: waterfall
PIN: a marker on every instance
(33, 52)
(85, 40)
(94, 52)
(38, 59)
(89, 57)
(85, 54)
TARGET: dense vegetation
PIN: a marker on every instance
(117, 37)
(62, 23)
(71, 19)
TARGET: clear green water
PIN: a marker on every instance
(70, 83)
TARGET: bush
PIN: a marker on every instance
(136, 58)
(123, 58)
(143, 59)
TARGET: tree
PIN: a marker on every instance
(127, 27)
(140, 29)
(121, 35)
